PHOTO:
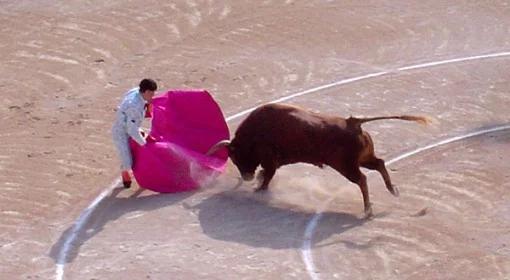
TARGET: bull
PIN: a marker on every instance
(274, 135)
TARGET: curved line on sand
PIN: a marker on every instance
(306, 254)
(77, 227)
(307, 258)
(373, 75)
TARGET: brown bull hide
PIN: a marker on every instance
(277, 134)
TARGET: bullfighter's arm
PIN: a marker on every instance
(133, 122)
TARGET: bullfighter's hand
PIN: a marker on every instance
(150, 139)
(143, 133)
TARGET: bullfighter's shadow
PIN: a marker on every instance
(110, 209)
(248, 219)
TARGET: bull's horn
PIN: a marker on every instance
(217, 146)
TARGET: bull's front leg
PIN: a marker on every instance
(265, 175)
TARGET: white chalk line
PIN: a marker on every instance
(373, 75)
(307, 258)
(313, 222)
(77, 227)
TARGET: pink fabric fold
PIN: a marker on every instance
(185, 124)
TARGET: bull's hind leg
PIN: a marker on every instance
(361, 180)
(354, 175)
(375, 163)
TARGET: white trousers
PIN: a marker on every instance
(121, 141)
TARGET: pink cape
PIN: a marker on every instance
(185, 124)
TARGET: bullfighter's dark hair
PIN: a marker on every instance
(148, 84)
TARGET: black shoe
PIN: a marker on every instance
(127, 184)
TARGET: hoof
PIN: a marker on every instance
(369, 215)
(247, 176)
(368, 212)
(261, 188)
(394, 191)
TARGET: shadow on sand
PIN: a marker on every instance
(110, 209)
(235, 215)
(250, 219)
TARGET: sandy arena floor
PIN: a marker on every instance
(65, 65)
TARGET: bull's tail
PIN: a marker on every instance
(418, 119)
(355, 123)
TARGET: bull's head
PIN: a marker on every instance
(242, 158)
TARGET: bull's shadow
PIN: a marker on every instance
(110, 209)
(249, 219)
